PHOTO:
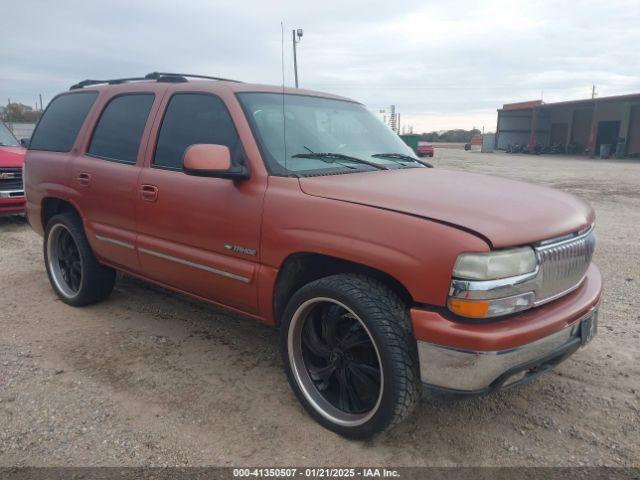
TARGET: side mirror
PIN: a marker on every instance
(209, 160)
(25, 142)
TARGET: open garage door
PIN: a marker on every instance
(581, 127)
(608, 133)
(514, 128)
(559, 132)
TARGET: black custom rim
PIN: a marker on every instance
(65, 263)
(337, 361)
(69, 261)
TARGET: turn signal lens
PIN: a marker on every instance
(468, 308)
(491, 308)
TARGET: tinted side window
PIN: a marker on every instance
(61, 122)
(119, 131)
(193, 118)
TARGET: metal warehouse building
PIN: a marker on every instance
(579, 126)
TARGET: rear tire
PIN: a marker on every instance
(74, 272)
(350, 354)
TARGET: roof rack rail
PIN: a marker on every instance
(114, 81)
(160, 75)
(157, 76)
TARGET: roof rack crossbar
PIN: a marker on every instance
(158, 75)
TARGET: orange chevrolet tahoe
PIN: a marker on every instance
(301, 210)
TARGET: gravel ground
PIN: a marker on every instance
(150, 378)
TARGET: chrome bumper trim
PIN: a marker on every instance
(492, 289)
(453, 369)
(11, 194)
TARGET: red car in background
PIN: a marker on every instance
(425, 149)
(11, 160)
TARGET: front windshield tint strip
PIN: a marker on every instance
(290, 128)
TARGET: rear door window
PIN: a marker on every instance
(59, 126)
(119, 131)
(193, 118)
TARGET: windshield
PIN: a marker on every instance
(314, 125)
(6, 137)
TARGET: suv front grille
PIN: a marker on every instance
(10, 179)
(563, 264)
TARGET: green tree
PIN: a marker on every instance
(20, 113)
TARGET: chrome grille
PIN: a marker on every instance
(10, 178)
(563, 264)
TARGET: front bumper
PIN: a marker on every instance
(12, 202)
(475, 357)
(477, 372)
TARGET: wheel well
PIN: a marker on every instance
(53, 206)
(299, 269)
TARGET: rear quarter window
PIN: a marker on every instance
(59, 126)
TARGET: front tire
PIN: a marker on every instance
(74, 272)
(350, 354)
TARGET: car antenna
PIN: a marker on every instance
(284, 120)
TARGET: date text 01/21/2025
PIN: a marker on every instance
(319, 472)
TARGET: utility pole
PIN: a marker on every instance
(593, 91)
(40, 95)
(296, 33)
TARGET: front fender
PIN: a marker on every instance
(417, 252)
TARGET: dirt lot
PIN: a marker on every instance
(151, 378)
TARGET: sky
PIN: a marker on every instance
(444, 64)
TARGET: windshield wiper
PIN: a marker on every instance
(327, 156)
(402, 156)
(330, 161)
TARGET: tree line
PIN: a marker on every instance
(19, 113)
(450, 136)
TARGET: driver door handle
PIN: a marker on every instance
(84, 179)
(149, 193)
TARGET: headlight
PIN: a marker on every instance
(493, 284)
(495, 265)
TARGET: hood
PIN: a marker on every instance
(11, 156)
(504, 212)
